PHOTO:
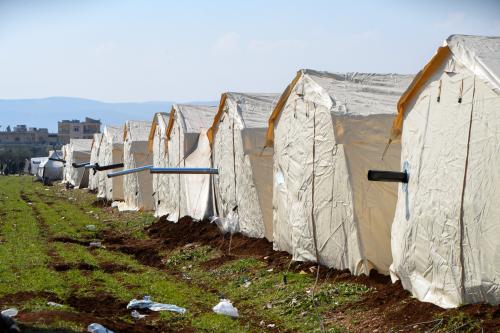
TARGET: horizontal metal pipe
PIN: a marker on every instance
(128, 171)
(108, 167)
(387, 176)
(57, 159)
(211, 171)
(81, 165)
(91, 166)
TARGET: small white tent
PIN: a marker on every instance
(78, 151)
(328, 130)
(111, 152)
(138, 186)
(446, 231)
(243, 188)
(157, 146)
(34, 164)
(50, 170)
(94, 159)
(187, 194)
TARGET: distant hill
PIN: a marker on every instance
(46, 112)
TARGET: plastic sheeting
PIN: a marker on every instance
(51, 170)
(243, 187)
(35, 163)
(183, 138)
(78, 151)
(158, 147)
(94, 158)
(446, 235)
(111, 152)
(330, 130)
(138, 186)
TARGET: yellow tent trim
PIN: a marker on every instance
(170, 125)
(125, 132)
(152, 131)
(415, 87)
(278, 108)
(215, 123)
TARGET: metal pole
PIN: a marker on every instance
(210, 171)
(387, 176)
(109, 167)
(128, 171)
(81, 165)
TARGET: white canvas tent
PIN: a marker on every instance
(111, 152)
(186, 194)
(157, 146)
(34, 164)
(138, 186)
(446, 231)
(50, 170)
(328, 130)
(78, 151)
(243, 188)
(94, 159)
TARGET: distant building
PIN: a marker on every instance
(24, 135)
(75, 129)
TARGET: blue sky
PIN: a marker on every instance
(120, 50)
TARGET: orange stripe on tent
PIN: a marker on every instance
(414, 88)
(215, 123)
(278, 108)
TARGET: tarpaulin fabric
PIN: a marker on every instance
(185, 123)
(158, 147)
(329, 131)
(94, 158)
(446, 235)
(78, 151)
(244, 183)
(138, 187)
(49, 169)
(111, 152)
(478, 53)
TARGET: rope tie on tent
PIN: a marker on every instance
(462, 91)
(462, 199)
(439, 91)
(313, 220)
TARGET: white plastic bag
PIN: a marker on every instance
(12, 312)
(229, 224)
(98, 328)
(226, 308)
(147, 303)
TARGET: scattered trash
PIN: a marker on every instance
(229, 224)
(30, 203)
(271, 325)
(90, 212)
(55, 304)
(262, 323)
(90, 227)
(135, 314)
(147, 303)
(63, 217)
(226, 308)
(269, 305)
(270, 270)
(95, 244)
(46, 189)
(12, 312)
(98, 328)
(246, 282)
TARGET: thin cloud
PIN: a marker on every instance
(229, 42)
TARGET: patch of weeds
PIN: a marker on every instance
(459, 322)
(74, 254)
(194, 255)
(212, 322)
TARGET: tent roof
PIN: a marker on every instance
(193, 118)
(357, 94)
(480, 54)
(160, 118)
(113, 133)
(137, 130)
(80, 144)
(254, 109)
(96, 140)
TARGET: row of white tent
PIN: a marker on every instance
(292, 168)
